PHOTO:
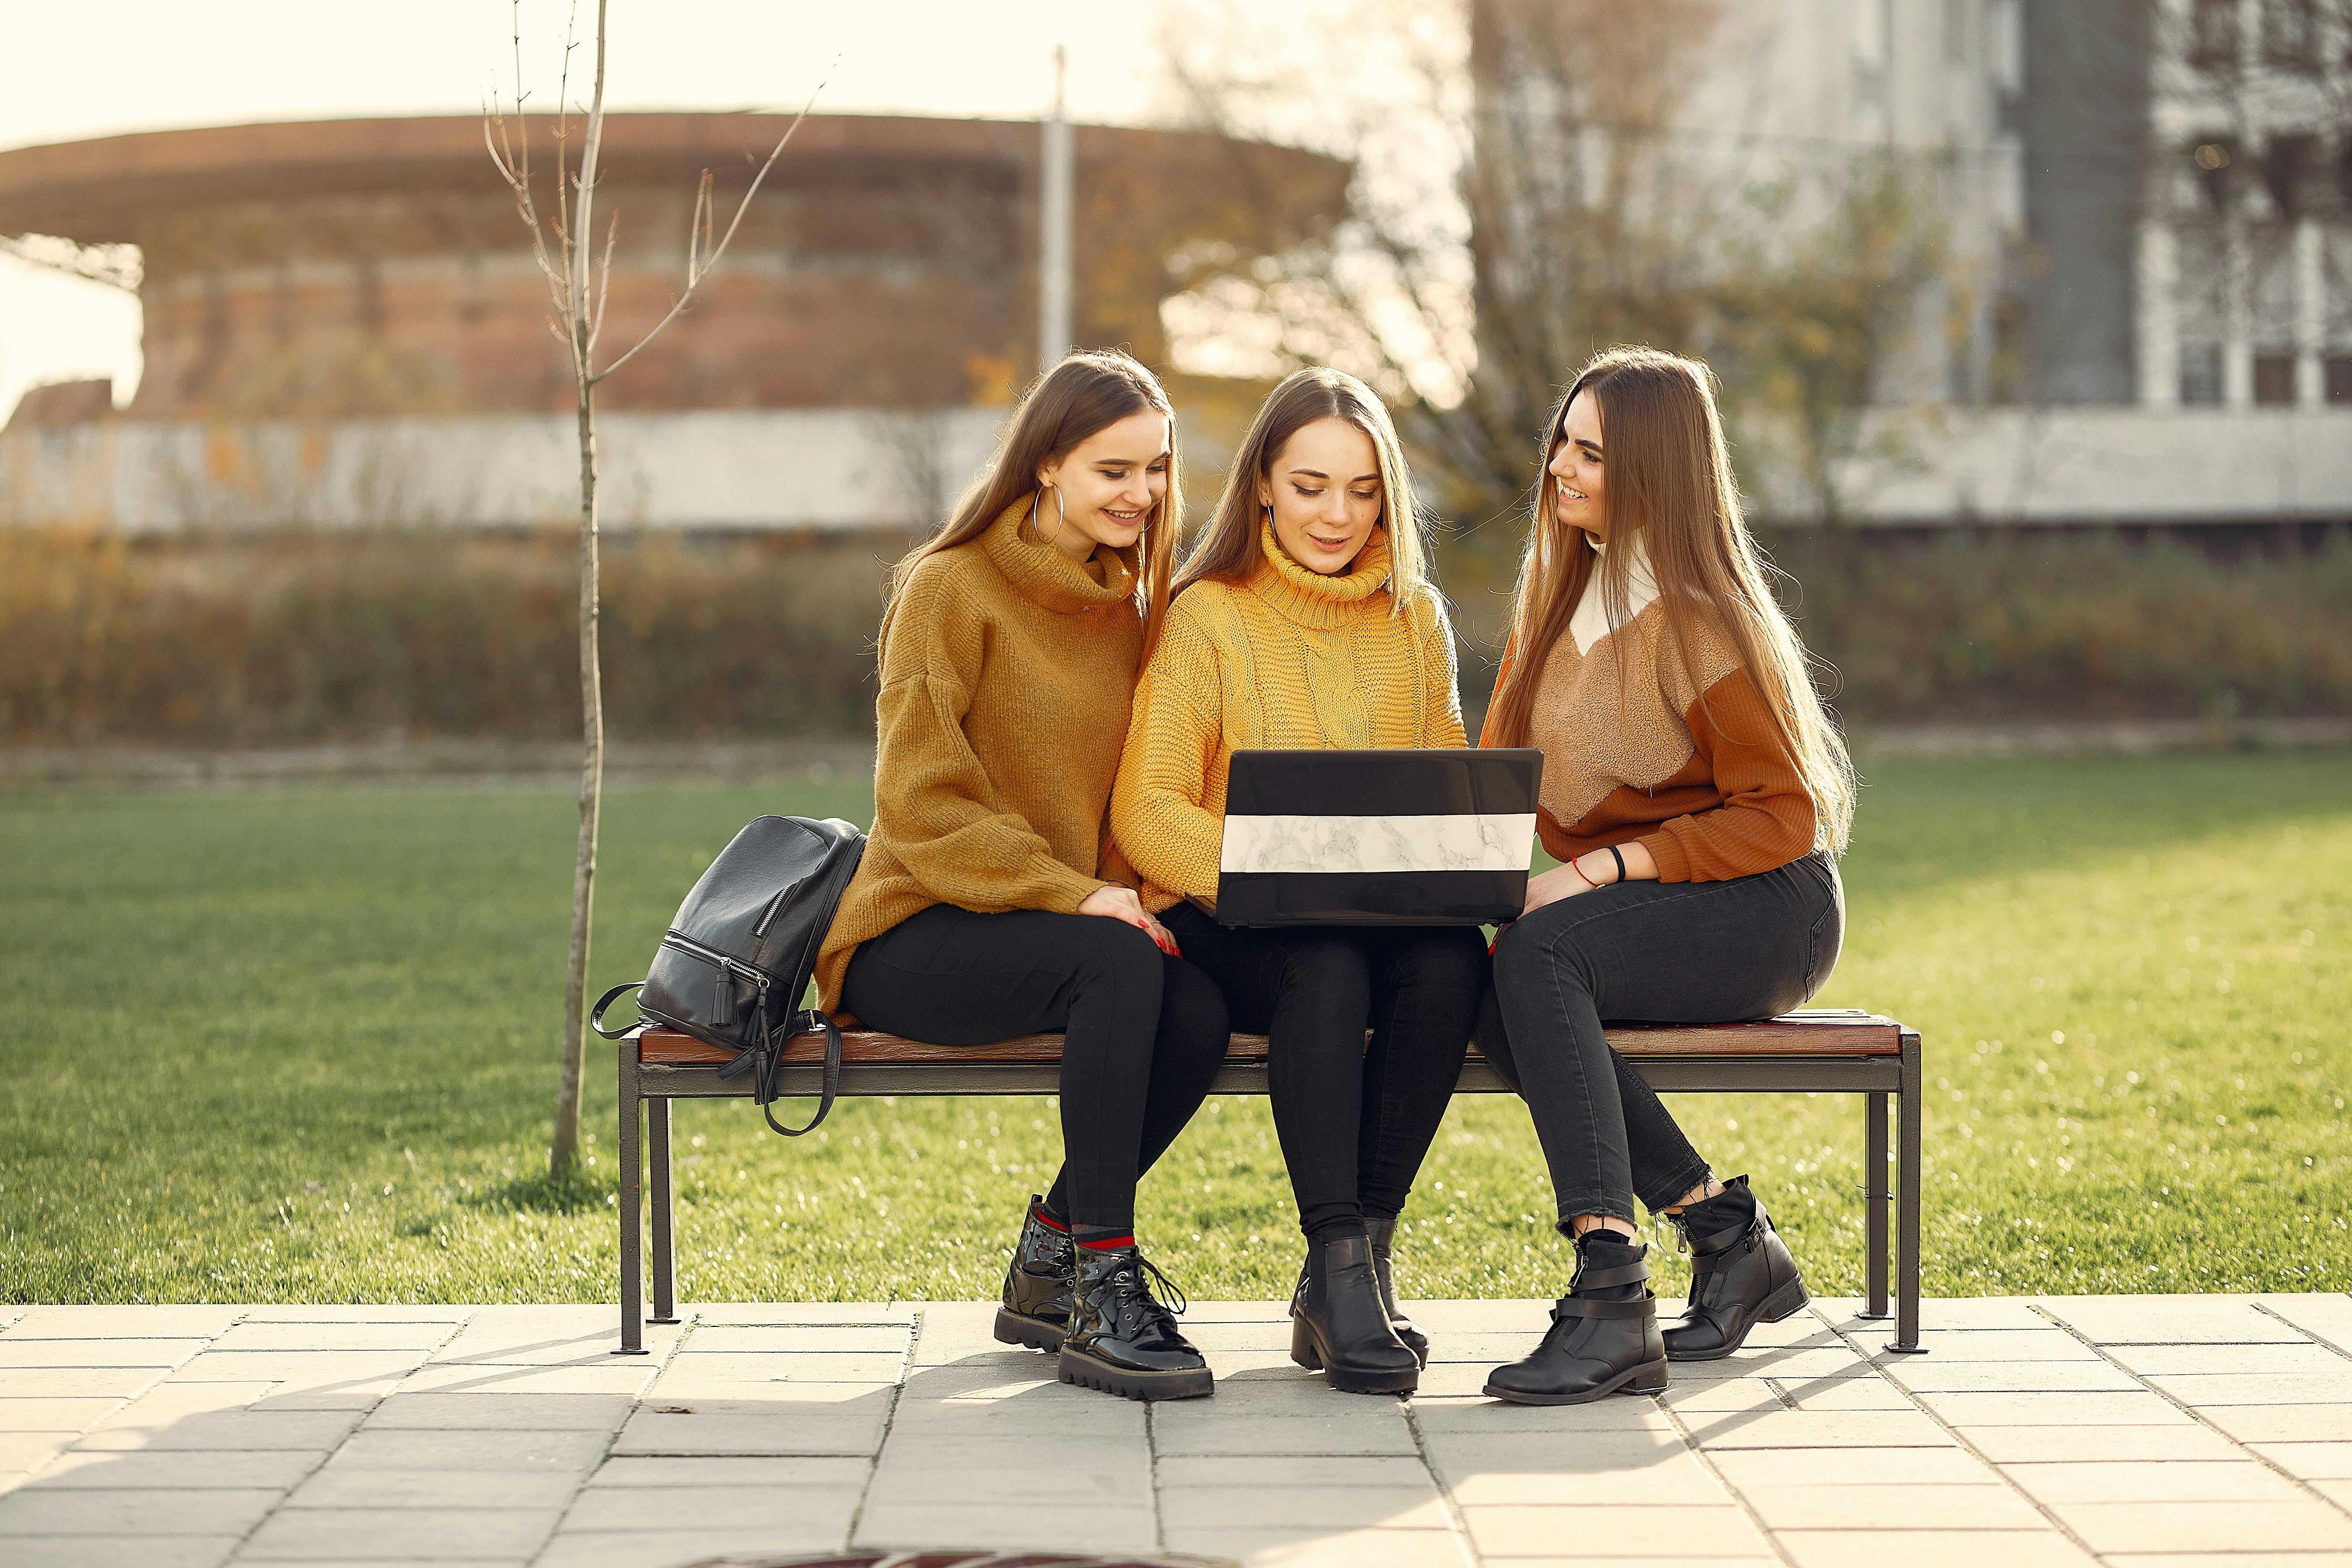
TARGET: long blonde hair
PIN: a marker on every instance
(1083, 395)
(1228, 551)
(1670, 474)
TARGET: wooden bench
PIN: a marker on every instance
(1811, 1051)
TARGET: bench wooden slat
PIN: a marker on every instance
(1814, 1033)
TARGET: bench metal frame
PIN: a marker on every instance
(652, 1086)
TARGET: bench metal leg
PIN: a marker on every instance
(632, 1283)
(658, 1128)
(1874, 1202)
(1906, 1322)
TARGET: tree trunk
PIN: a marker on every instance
(566, 1145)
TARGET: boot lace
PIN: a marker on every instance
(1131, 1282)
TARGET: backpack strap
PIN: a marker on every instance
(770, 1054)
(596, 1017)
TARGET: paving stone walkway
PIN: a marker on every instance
(2145, 1432)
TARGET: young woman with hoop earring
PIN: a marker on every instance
(990, 902)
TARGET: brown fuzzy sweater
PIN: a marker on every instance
(1008, 671)
(1642, 745)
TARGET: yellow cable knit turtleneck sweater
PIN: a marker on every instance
(1007, 669)
(1289, 659)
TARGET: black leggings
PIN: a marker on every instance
(1659, 953)
(1355, 1122)
(1146, 1032)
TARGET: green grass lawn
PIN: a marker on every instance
(302, 1047)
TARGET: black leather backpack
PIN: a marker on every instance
(736, 959)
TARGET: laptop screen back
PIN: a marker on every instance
(1381, 837)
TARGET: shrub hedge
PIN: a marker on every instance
(286, 639)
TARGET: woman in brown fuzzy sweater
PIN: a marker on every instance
(988, 903)
(1698, 796)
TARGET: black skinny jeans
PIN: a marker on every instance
(1354, 1122)
(1145, 1033)
(1659, 953)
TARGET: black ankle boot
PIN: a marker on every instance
(1339, 1324)
(1121, 1339)
(1741, 1275)
(1036, 1310)
(1604, 1333)
(1383, 1234)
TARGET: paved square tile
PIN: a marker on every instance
(425, 1449)
(1688, 1530)
(40, 1510)
(2283, 1423)
(1324, 1549)
(151, 1469)
(121, 1551)
(2045, 1547)
(2299, 1524)
(2035, 1445)
(425, 1533)
(2180, 1480)
(2312, 1461)
(97, 1353)
(1111, 1527)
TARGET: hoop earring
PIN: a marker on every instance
(1061, 514)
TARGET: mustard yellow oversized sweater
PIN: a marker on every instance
(1007, 670)
(1289, 659)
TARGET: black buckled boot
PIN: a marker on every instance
(1036, 1308)
(1383, 1234)
(1122, 1340)
(1741, 1275)
(1339, 1324)
(1604, 1338)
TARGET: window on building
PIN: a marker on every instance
(2290, 34)
(2201, 374)
(2288, 172)
(2213, 35)
(2274, 381)
(2337, 370)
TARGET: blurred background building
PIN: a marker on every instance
(343, 320)
(2060, 255)
(1957, 261)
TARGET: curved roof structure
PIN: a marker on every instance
(378, 266)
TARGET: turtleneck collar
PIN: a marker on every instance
(1043, 575)
(1310, 598)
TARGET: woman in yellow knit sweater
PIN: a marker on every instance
(1304, 618)
(1696, 795)
(988, 903)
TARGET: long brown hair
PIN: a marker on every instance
(1228, 552)
(1669, 474)
(1083, 395)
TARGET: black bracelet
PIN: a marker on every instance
(1621, 861)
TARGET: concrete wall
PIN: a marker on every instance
(748, 470)
(2056, 465)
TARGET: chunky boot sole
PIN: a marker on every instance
(1012, 1328)
(1787, 1302)
(1085, 1372)
(1308, 1353)
(1649, 1377)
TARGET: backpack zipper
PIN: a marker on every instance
(759, 979)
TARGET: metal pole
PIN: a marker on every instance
(1055, 336)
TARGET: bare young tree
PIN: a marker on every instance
(563, 244)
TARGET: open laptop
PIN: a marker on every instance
(1389, 837)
